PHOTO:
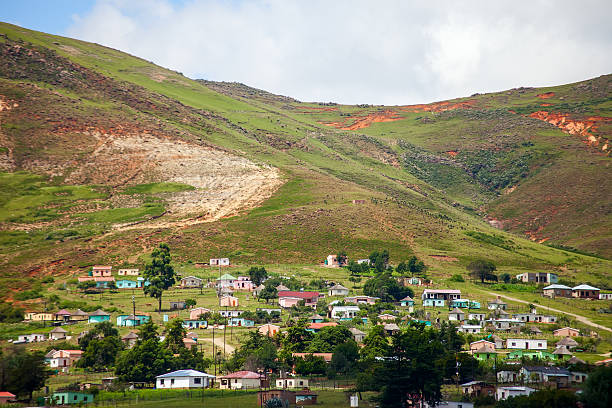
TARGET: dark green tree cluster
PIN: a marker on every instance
(544, 398)
(257, 274)
(379, 260)
(10, 313)
(256, 352)
(414, 266)
(150, 357)
(100, 347)
(482, 269)
(386, 288)
(22, 373)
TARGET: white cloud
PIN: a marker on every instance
(358, 51)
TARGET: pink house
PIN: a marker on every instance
(243, 283)
(229, 301)
(269, 329)
(101, 270)
(289, 298)
(194, 314)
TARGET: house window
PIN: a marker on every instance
(539, 344)
(513, 344)
(161, 382)
(75, 397)
(172, 381)
(197, 381)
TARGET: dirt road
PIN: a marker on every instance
(229, 349)
(578, 317)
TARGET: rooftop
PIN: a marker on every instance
(243, 374)
(584, 287)
(185, 373)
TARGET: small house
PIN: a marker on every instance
(99, 270)
(184, 379)
(316, 319)
(527, 344)
(178, 305)
(332, 261)
(538, 277)
(477, 316)
(497, 304)
(456, 315)
(407, 301)
(57, 334)
(545, 319)
(226, 281)
(557, 290)
(585, 292)
(98, 316)
(338, 290)
(358, 335)
(292, 382)
(191, 282)
(269, 330)
(62, 315)
(485, 352)
(195, 324)
(568, 342)
(469, 328)
(344, 312)
(63, 359)
(506, 324)
(361, 299)
(65, 397)
(566, 332)
(243, 283)
(6, 397)
(128, 272)
(78, 316)
(477, 389)
(258, 290)
(228, 301)
(126, 284)
(562, 353)
(578, 378)
(281, 288)
(433, 302)
(240, 322)
(132, 320)
(231, 313)
(130, 339)
(391, 328)
(195, 313)
(219, 262)
(443, 294)
(506, 376)
(31, 338)
(241, 380)
(386, 317)
(502, 393)
(315, 327)
(475, 345)
(559, 376)
(288, 298)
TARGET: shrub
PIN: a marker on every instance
(457, 278)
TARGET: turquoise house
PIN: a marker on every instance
(542, 355)
(131, 320)
(195, 324)
(71, 397)
(99, 316)
(433, 302)
(127, 284)
(240, 322)
(407, 301)
(142, 282)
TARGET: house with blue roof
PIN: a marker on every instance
(184, 379)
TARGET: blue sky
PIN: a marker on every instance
(349, 51)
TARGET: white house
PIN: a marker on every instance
(231, 313)
(505, 324)
(219, 262)
(527, 344)
(31, 338)
(503, 393)
(63, 359)
(456, 315)
(505, 376)
(477, 316)
(240, 380)
(469, 328)
(291, 382)
(128, 272)
(184, 379)
(338, 290)
(344, 312)
(57, 334)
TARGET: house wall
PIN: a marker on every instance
(181, 382)
(288, 302)
(526, 344)
(238, 383)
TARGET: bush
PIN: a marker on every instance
(457, 278)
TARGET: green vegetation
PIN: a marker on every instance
(156, 188)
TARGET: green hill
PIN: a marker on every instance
(104, 155)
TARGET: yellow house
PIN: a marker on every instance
(39, 317)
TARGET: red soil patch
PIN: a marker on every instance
(584, 128)
(439, 106)
(546, 95)
(366, 120)
(452, 153)
(546, 104)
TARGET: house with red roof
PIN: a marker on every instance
(289, 298)
(325, 356)
(315, 327)
(242, 380)
(6, 397)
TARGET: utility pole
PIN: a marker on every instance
(134, 308)
(224, 329)
(214, 355)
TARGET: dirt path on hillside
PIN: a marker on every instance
(581, 319)
(229, 349)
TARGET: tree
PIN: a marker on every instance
(505, 277)
(386, 288)
(341, 258)
(328, 338)
(268, 293)
(310, 365)
(596, 392)
(100, 347)
(159, 273)
(256, 352)
(10, 313)
(416, 266)
(375, 344)
(86, 285)
(23, 372)
(481, 269)
(190, 303)
(257, 274)
(297, 338)
(344, 358)
(175, 335)
(543, 398)
(100, 330)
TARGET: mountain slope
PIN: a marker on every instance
(130, 154)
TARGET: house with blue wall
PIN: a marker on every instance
(127, 284)
(99, 316)
(433, 302)
(195, 324)
(131, 320)
(407, 301)
(71, 397)
(240, 321)
(142, 282)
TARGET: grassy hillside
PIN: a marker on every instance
(430, 175)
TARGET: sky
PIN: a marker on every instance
(389, 52)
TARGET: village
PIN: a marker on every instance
(516, 349)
